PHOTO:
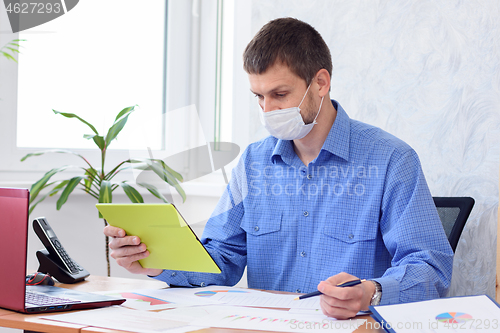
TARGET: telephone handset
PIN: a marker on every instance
(55, 260)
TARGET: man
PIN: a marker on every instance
(322, 201)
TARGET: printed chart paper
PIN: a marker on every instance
(191, 314)
(268, 300)
(276, 321)
(156, 299)
(455, 314)
(119, 318)
(212, 292)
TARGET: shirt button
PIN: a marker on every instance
(306, 213)
(303, 254)
(351, 236)
(309, 176)
(173, 274)
(297, 291)
(256, 228)
(202, 284)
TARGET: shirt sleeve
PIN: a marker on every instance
(222, 237)
(422, 258)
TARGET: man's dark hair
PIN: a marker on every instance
(292, 42)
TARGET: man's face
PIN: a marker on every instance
(279, 88)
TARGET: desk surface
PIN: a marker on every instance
(33, 322)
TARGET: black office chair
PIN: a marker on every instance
(453, 212)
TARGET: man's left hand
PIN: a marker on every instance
(344, 302)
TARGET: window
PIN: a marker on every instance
(94, 61)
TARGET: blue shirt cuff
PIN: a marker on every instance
(173, 278)
(390, 290)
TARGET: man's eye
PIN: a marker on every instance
(280, 95)
(258, 96)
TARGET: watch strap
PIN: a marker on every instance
(377, 296)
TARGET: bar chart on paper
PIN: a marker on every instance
(157, 299)
(276, 321)
(139, 301)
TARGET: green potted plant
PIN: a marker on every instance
(96, 181)
(11, 48)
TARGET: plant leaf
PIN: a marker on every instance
(60, 151)
(105, 193)
(52, 192)
(58, 187)
(13, 50)
(162, 170)
(8, 56)
(124, 112)
(35, 195)
(171, 171)
(166, 176)
(154, 191)
(72, 183)
(120, 121)
(90, 176)
(99, 140)
(72, 115)
(132, 193)
(40, 184)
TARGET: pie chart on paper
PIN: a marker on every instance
(453, 317)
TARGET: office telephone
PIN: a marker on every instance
(54, 259)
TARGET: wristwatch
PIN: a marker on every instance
(377, 296)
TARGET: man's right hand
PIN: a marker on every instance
(127, 250)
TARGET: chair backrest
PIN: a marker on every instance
(453, 212)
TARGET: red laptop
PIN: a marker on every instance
(13, 249)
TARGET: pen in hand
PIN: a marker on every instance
(342, 285)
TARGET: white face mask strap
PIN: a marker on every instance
(305, 94)
(320, 104)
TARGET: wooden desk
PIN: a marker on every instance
(32, 322)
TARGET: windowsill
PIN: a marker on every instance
(192, 188)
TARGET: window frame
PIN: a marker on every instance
(188, 31)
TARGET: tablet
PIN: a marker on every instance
(171, 242)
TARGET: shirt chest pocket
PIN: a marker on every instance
(350, 231)
(259, 223)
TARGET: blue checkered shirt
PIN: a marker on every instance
(361, 207)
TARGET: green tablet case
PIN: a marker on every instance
(169, 239)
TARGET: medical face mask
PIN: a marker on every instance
(287, 124)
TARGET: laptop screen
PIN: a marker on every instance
(14, 205)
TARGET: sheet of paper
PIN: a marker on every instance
(319, 311)
(156, 299)
(190, 314)
(268, 300)
(213, 292)
(455, 314)
(306, 311)
(120, 318)
(276, 321)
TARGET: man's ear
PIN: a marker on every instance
(322, 78)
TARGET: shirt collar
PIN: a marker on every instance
(337, 141)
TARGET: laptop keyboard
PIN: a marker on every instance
(42, 299)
